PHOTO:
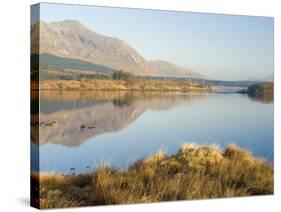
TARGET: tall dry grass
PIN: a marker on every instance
(195, 172)
(119, 85)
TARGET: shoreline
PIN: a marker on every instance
(118, 85)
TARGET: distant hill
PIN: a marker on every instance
(170, 69)
(242, 83)
(71, 39)
(268, 78)
(51, 61)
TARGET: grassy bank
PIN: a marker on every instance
(122, 85)
(193, 173)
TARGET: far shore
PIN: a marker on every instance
(119, 85)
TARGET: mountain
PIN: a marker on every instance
(268, 78)
(71, 39)
(171, 69)
(48, 60)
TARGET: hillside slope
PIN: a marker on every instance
(171, 69)
(73, 40)
(51, 61)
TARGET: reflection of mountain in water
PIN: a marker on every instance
(263, 98)
(114, 112)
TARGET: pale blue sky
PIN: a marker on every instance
(219, 46)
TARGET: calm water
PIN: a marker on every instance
(130, 126)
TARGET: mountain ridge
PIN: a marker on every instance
(70, 38)
(74, 40)
(269, 78)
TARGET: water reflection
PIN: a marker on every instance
(70, 118)
(82, 129)
(263, 98)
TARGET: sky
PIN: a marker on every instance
(225, 47)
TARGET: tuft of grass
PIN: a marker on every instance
(194, 172)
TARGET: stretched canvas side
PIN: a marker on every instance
(34, 105)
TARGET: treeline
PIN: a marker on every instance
(123, 75)
(52, 73)
(127, 76)
(261, 88)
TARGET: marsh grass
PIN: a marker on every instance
(120, 85)
(194, 172)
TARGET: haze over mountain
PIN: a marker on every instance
(71, 39)
(171, 69)
(269, 78)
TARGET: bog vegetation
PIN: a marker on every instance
(264, 88)
(194, 172)
(260, 89)
(121, 81)
(56, 73)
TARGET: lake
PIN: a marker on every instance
(92, 129)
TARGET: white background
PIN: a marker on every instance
(14, 88)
